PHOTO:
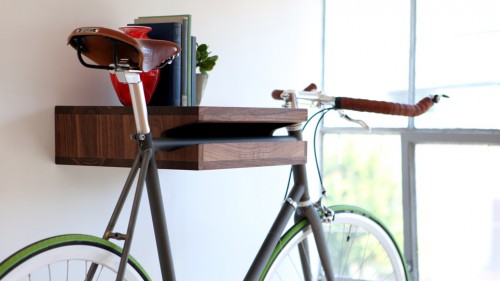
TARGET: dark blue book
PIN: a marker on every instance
(185, 20)
(168, 90)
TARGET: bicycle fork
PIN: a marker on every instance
(311, 213)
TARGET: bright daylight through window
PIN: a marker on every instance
(433, 176)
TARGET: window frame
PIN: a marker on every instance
(411, 137)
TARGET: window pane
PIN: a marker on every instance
(458, 45)
(367, 52)
(458, 210)
(365, 170)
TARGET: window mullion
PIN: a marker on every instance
(408, 159)
(412, 58)
(409, 203)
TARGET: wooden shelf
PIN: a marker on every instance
(100, 136)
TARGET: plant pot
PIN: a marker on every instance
(149, 79)
(201, 83)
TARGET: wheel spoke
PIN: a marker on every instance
(294, 265)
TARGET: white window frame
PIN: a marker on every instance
(410, 138)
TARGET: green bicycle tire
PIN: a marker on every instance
(22, 260)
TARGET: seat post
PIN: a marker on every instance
(139, 106)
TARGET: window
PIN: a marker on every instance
(457, 54)
(362, 167)
(458, 211)
(434, 175)
(366, 51)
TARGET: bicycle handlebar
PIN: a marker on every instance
(389, 108)
(382, 107)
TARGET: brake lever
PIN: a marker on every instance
(357, 121)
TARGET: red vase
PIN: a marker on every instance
(149, 79)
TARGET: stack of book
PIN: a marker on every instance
(177, 83)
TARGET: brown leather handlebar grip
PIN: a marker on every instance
(384, 107)
(276, 94)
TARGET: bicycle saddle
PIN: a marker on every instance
(112, 49)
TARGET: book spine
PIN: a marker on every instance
(168, 91)
(185, 80)
(194, 96)
(187, 71)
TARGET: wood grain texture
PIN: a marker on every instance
(100, 136)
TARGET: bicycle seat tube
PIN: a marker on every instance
(149, 172)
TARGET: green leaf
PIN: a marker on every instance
(203, 60)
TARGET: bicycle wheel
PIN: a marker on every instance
(68, 257)
(360, 249)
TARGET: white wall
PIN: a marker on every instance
(262, 44)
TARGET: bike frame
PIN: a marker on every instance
(145, 170)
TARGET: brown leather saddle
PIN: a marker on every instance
(111, 49)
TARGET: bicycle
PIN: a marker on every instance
(324, 243)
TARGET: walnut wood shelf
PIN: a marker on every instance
(100, 136)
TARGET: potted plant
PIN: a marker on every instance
(205, 63)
